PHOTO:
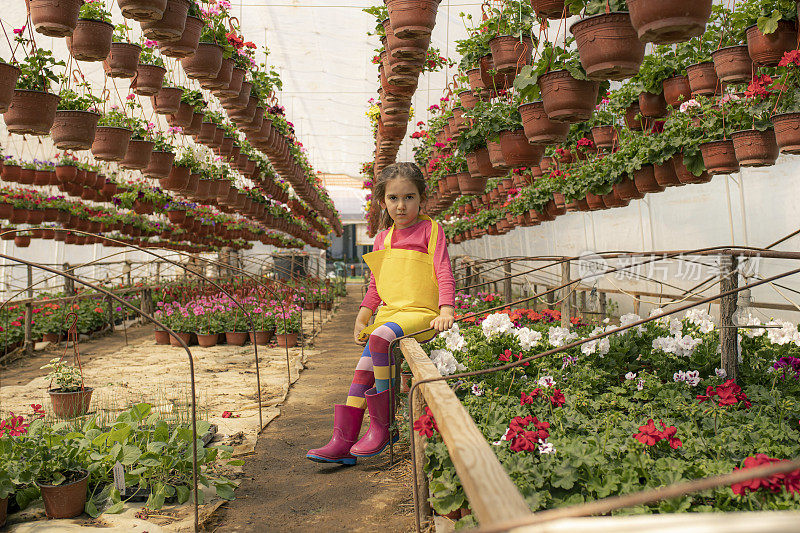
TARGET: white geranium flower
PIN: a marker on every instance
(558, 336)
(546, 381)
(630, 376)
(701, 319)
(785, 334)
(678, 376)
(640, 385)
(528, 338)
(601, 346)
(477, 390)
(721, 373)
(693, 377)
(496, 324)
(446, 363)
(547, 448)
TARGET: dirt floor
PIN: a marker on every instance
(283, 491)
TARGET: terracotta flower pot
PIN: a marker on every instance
(604, 137)
(262, 338)
(608, 46)
(236, 338)
(476, 82)
(552, 9)
(683, 174)
(787, 132)
(613, 199)
(185, 337)
(207, 341)
(142, 10)
(631, 117)
(8, 80)
(31, 112)
(626, 189)
(288, 340)
(703, 80)
(470, 185)
(677, 90)
(148, 79)
(517, 151)
(733, 64)
(66, 173)
(159, 165)
(70, 404)
(664, 174)
(510, 54)
(137, 157)
(234, 85)
(91, 40)
(595, 202)
(719, 157)
(539, 128)
(123, 60)
(74, 130)
(188, 42)
(205, 63)
(645, 180)
(183, 118)
(22, 241)
(223, 77)
(55, 19)
(652, 105)
(171, 25)
(567, 99)
(755, 148)
(194, 128)
(412, 18)
(767, 50)
(669, 21)
(162, 337)
(167, 101)
(66, 500)
(111, 143)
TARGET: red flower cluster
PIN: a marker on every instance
(13, 425)
(774, 483)
(523, 439)
(238, 42)
(557, 399)
(419, 134)
(649, 435)
(585, 142)
(228, 414)
(729, 393)
(425, 425)
(759, 86)
(792, 57)
(528, 398)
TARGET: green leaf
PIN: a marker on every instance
(183, 493)
(116, 508)
(767, 25)
(130, 454)
(225, 491)
(91, 508)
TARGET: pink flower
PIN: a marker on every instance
(18, 31)
(131, 97)
(150, 43)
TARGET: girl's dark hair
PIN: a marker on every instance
(378, 217)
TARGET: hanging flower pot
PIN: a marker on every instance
(767, 50)
(733, 64)
(194, 128)
(567, 99)
(188, 42)
(22, 241)
(595, 202)
(703, 80)
(31, 112)
(604, 137)
(223, 77)
(412, 18)
(551, 9)
(719, 157)
(469, 184)
(608, 46)
(111, 143)
(645, 180)
(234, 86)
(613, 199)
(205, 63)
(138, 154)
(91, 40)
(755, 148)
(142, 10)
(54, 19)
(626, 189)
(683, 173)
(539, 128)
(509, 53)
(632, 119)
(8, 81)
(68, 499)
(168, 100)
(476, 81)
(787, 132)
(677, 90)
(517, 151)
(123, 61)
(69, 405)
(183, 118)
(148, 80)
(408, 49)
(669, 21)
(652, 105)
(664, 174)
(74, 130)
(171, 25)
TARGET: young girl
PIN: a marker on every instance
(411, 275)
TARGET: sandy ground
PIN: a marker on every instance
(140, 370)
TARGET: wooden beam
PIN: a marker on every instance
(492, 495)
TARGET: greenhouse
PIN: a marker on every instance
(553, 225)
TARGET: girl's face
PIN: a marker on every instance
(402, 201)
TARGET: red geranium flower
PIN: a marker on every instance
(528, 398)
(557, 399)
(648, 434)
(425, 425)
(791, 57)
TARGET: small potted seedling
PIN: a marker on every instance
(70, 398)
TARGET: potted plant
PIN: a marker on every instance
(167, 100)
(509, 36)
(171, 25)
(113, 135)
(771, 28)
(206, 62)
(186, 45)
(91, 40)
(67, 168)
(142, 10)
(8, 80)
(754, 142)
(731, 58)
(287, 328)
(140, 147)
(785, 103)
(33, 108)
(717, 147)
(150, 72)
(69, 397)
(76, 118)
(670, 21)
(123, 59)
(54, 19)
(162, 157)
(237, 327)
(264, 322)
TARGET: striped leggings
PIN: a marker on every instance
(375, 365)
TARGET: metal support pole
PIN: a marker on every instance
(126, 269)
(565, 273)
(29, 316)
(507, 282)
(424, 510)
(729, 280)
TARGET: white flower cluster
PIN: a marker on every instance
(674, 325)
(496, 324)
(558, 336)
(528, 338)
(701, 319)
(477, 390)
(446, 363)
(721, 373)
(546, 381)
(630, 376)
(786, 333)
(547, 448)
(752, 332)
(601, 346)
(630, 318)
(682, 346)
(692, 377)
(453, 340)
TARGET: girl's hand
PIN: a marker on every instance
(445, 320)
(358, 327)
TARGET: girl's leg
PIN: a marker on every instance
(382, 364)
(363, 380)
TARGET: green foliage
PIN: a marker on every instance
(66, 377)
(95, 10)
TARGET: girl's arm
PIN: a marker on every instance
(364, 314)
(447, 284)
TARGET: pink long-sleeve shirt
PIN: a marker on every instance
(416, 237)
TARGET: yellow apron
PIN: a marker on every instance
(406, 282)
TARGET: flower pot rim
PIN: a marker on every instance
(729, 47)
(95, 20)
(718, 140)
(210, 42)
(150, 65)
(34, 91)
(780, 115)
(751, 130)
(129, 44)
(84, 472)
(505, 36)
(115, 128)
(599, 15)
(792, 22)
(59, 391)
(86, 112)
